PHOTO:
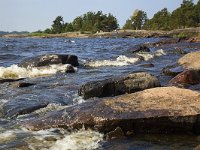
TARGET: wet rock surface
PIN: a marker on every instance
(10, 80)
(111, 87)
(25, 84)
(139, 48)
(17, 107)
(172, 70)
(157, 110)
(49, 59)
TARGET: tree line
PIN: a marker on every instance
(91, 22)
(187, 15)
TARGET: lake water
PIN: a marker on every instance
(99, 58)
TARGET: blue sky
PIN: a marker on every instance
(32, 15)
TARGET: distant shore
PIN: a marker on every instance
(180, 33)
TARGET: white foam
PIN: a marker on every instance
(50, 107)
(147, 56)
(14, 71)
(159, 52)
(83, 139)
(120, 61)
(7, 136)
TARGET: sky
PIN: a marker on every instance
(33, 15)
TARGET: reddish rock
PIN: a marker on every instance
(157, 110)
(188, 77)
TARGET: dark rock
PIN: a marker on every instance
(70, 69)
(166, 41)
(111, 87)
(172, 70)
(25, 84)
(17, 107)
(116, 134)
(179, 51)
(139, 48)
(158, 110)
(10, 80)
(188, 77)
(49, 59)
(147, 65)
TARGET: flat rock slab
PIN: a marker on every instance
(49, 59)
(190, 61)
(14, 108)
(157, 110)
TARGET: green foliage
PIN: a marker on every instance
(160, 21)
(136, 21)
(94, 22)
(57, 26)
(187, 15)
(89, 22)
(182, 36)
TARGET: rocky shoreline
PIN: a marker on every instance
(123, 106)
(184, 33)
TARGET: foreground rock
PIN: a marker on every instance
(157, 110)
(111, 87)
(190, 61)
(191, 70)
(49, 59)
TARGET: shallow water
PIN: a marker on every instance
(54, 90)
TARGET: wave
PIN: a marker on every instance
(120, 61)
(83, 139)
(16, 72)
(124, 60)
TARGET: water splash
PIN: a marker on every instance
(120, 61)
(15, 72)
(83, 139)
(124, 60)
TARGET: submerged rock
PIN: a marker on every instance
(111, 87)
(2, 80)
(172, 70)
(14, 108)
(49, 59)
(157, 110)
(25, 84)
(139, 48)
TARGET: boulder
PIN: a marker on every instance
(49, 59)
(150, 65)
(158, 110)
(187, 77)
(139, 48)
(111, 87)
(25, 84)
(190, 61)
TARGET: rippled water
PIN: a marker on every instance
(54, 90)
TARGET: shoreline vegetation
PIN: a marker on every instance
(177, 33)
(183, 22)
